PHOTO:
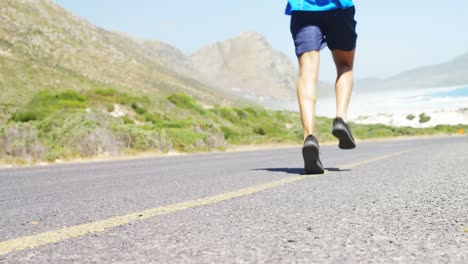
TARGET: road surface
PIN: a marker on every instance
(402, 201)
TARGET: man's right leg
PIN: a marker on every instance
(307, 89)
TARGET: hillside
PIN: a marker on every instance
(43, 46)
(451, 73)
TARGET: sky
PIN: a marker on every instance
(394, 36)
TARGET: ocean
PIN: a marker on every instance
(411, 101)
(458, 92)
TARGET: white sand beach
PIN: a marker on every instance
(437, 117)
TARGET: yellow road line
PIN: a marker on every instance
(33, 241)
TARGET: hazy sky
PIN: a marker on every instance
(393, 35)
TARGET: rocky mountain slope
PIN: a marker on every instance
(248, 66)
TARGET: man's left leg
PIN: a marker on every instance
(344, 61)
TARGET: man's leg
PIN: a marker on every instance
(344, 61)
(307, 89)
(344, 85)
(307, 97)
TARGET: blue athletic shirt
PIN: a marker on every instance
(317, 5)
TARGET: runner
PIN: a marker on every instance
(314, 25)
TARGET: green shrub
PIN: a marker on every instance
(21, 140)
(138, 108)
(404, 131)
(183, 139)
(446, 129)
(134, 139)
(281, 117)
(105, 92)
(423, 118)
(260, 131)
(380, 132)
(101, 96)
(45, 103)
(147, 127)
(52, 156)
(127, 120)
(176, 124)
(70, 96)
(229, 134)
(269, 127)
(241, 113)
(110, 108)
(153, 118)
(227, 114)
(162, 121)
(81, 134)
(185, 101)
(138, 103)
(410, 117)
(25, 116)
(256, 112)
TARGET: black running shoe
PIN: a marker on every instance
(310, 152)
(343, 133)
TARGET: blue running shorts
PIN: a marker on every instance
(313, 30)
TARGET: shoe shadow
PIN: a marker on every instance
(336, 169)
(299, 171)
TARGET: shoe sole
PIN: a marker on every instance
(312, 164)
(346, 141)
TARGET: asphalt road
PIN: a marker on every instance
(402, 201)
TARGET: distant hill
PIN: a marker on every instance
(247, 65)
(452, 73)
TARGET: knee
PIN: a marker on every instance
(344, 68)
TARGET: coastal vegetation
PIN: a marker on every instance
(70, 124)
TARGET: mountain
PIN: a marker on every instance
(452, 73)
(248, 66)
(43, 46)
